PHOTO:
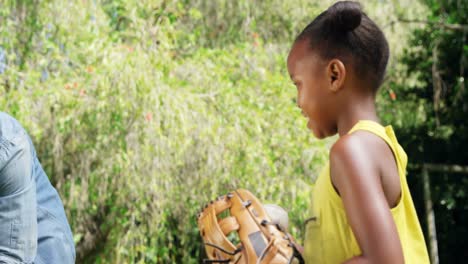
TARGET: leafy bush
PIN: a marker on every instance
(136, 136)
(142, 111)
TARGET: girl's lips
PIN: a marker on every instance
(310, 123)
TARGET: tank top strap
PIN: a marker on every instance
(374, 128)
(387, 134)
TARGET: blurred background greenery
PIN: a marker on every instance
(143, 110)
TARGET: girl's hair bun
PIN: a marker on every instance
(345, 15)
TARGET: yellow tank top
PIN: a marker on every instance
(328, 236)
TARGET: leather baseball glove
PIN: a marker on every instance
(236, 229)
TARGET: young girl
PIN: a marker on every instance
(361, 209)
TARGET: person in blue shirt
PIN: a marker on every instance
(33, 224)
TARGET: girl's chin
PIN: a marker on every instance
(319, 134)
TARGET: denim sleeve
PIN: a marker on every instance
(18, 216)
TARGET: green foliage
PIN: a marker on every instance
(433, 87)
(223, 22)
(430, 115)
(142, 111)
(137, 135)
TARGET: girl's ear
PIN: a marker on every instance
(336, 72)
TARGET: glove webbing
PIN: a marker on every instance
(270, 248)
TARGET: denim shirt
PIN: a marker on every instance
(33, 224)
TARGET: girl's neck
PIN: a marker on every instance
(362, 109)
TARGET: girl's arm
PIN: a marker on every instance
(355, 174)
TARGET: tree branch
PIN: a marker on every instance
(444, 168)
(457, 27)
